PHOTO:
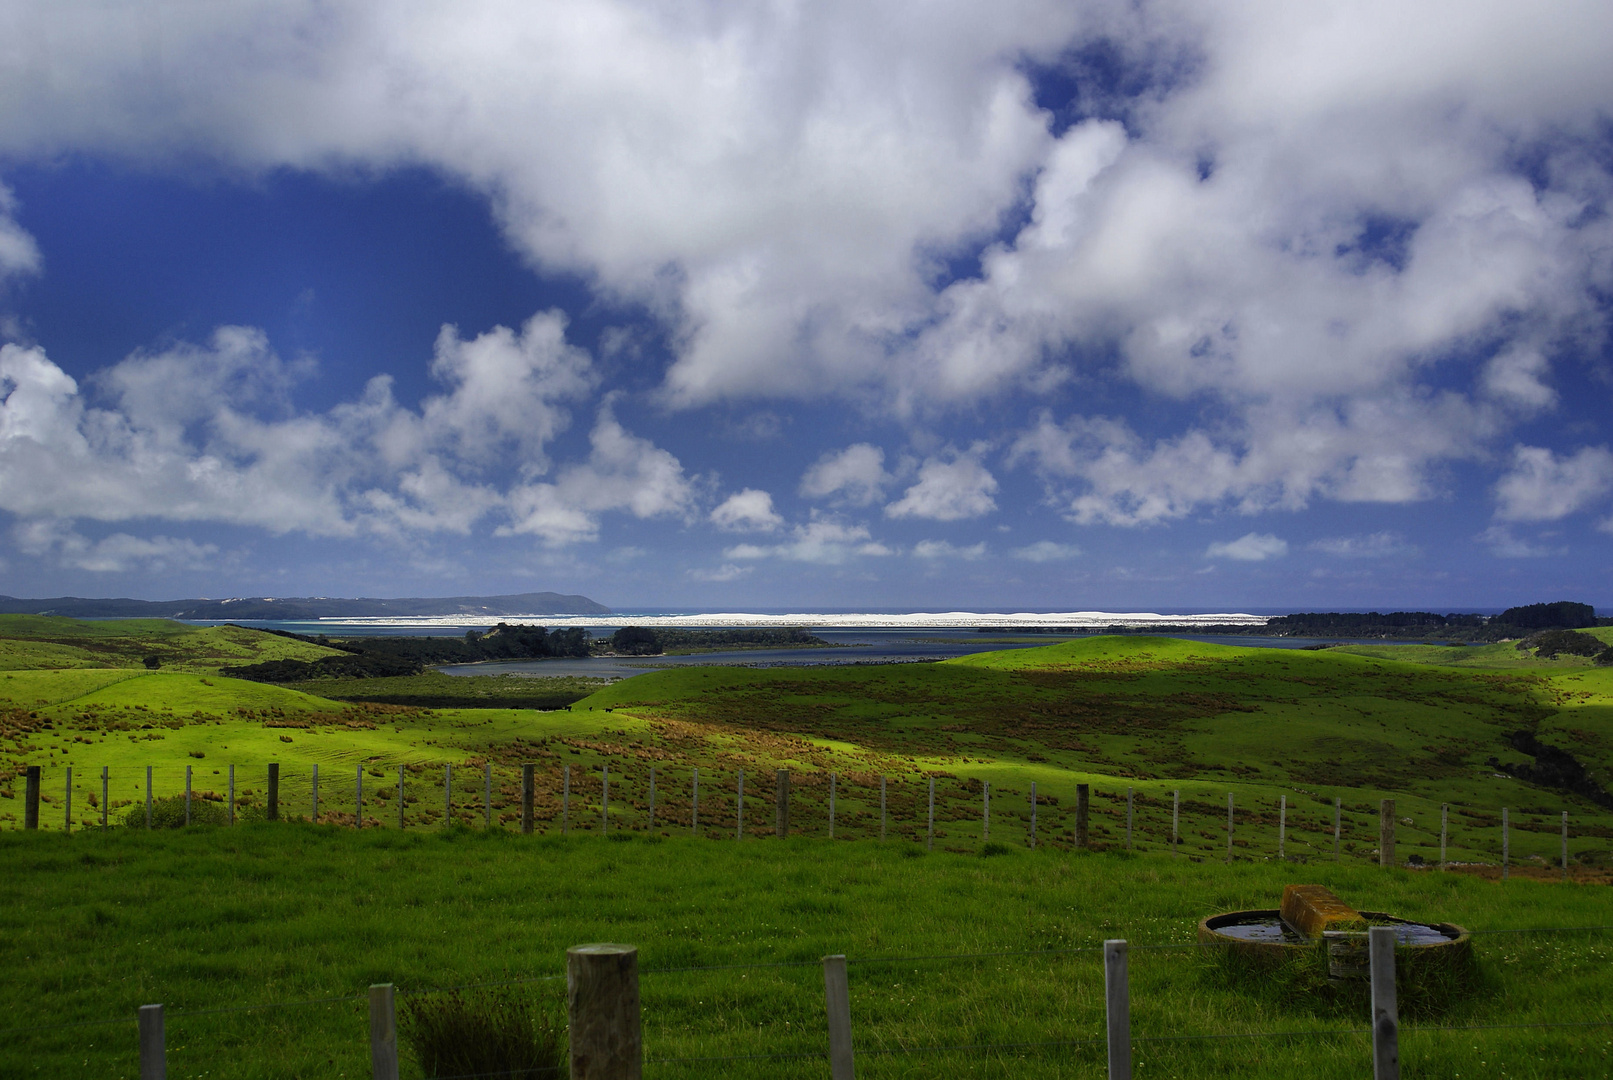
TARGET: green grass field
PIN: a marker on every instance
(221, 919)
(97, 924)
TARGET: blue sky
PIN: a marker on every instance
(1038, 305)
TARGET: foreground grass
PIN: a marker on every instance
(209, 920)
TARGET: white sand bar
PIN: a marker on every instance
(1080, 620)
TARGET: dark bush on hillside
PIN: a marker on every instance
(1562, 615)
(1552, 643)
(169, 813)
(635, 641)
(1604, 658)
(492, 1034)
(352, 666)
(388, 657)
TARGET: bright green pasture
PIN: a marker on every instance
(209, 920)
(39, 641)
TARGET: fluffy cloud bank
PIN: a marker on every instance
(1343, 245)
(206, 433)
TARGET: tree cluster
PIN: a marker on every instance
(382, 657)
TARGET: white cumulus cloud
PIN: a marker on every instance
(856, 474)
(948, 490)
(1250, 547)
(943, 549)
(1045, 551)
(1541, 486)
(747, 511)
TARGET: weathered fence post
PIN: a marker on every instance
(30, 799)
(694, 802)
(315, 818)
(1282, 828)
(148, 795)
(837, 999)
(929, 836)
(1117, 1008)
(1565, 845)
(358, 798)
(104, 786)
(273, 813)
(187, 794)
(781, 803)
(1385, 1015)
(602, 1003)
(1338, 813)
(1082, 808)
(739, 808)
(153, 1055)
(1033, 813)
(67, 803)
(1176, 818)
(1128, 819)
(1386, 832)
(1444, 830)
(400, 797)
(447, 795)
(487, 794)
(604, 798)
(832, 782)
(526, 799)
(985, 810)
(1506, 845)
(565, 798)
(383, 1032)
(882, 818)
(1229, 826)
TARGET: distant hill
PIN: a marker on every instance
(305, 607)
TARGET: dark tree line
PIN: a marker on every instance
(381, 657)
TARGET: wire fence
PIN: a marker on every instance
(938, 809)
(1019, 1008)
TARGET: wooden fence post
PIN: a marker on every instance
(1033, 813)
(1565, 845)
(187, 794)
(273, 813)
(315, 818)
(148, 795)
(882, 817)
(153, 1055)
(1176, 818)
(1282, 829)
(104, 786)
(487, 794)
(383, 1032)
(400, 797)
(781, 803)
(1128, 819)
(1506, 845)
(526, 799)
(358, 798)
(985, 810)
(832, 782)
(694, 802)
(929, 836)
(1117, 1008)
(1229, 826)
(1444, 831)
(1338, 811)
(604, 798)
(1082, 809)
(602, 1002)
(1386, 832)
(67, 803)
(739, 808)
(1385, 1014)
(30, 800)
(837, 999)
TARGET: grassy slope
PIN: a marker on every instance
(39, 641)
(1154, 714)
(97, 925)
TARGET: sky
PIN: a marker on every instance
(1028, 305)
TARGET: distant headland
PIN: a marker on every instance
(306, 607)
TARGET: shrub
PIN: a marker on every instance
(488, 1034)
(168, 812)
